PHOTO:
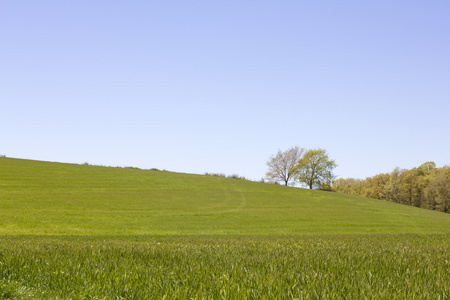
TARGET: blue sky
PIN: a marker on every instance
(220, 86)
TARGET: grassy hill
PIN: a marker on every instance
(44, 198)
(86, 232)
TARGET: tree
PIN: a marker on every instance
(284, 165)
(392, 190)
(425, 168)
(316, 168)
(438, 191)
(413, 185)
(346, 185)
(373, 186)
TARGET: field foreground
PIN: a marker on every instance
(320, 267)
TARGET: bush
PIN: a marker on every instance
(236, 176)
(215, 174)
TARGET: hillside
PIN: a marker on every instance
(66, 199)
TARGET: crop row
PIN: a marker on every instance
(350, 267)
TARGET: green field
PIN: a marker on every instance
(86, 232)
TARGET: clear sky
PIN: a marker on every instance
(220, 86)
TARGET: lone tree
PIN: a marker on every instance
(284, 165)
(315, 169)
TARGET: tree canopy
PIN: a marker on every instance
(311, 167)
(284, 165)
(315, 169)
(425, 186)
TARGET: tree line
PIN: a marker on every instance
(425, 186)
(312, 167)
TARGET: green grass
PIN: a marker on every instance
(63, 199)
(332, 267)
(86, 232)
